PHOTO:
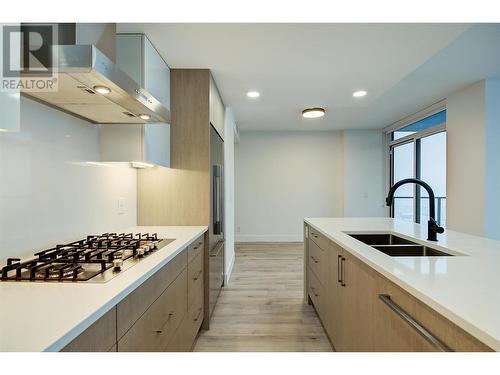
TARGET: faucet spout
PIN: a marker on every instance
(432, 227)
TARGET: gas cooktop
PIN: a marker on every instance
(94, 259)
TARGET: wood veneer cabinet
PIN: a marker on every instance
(153, 331)
(165, 313)
(216, 108)
(99, 337)
(361, 310)
(185, 336)
(181, 195)
(130, 309)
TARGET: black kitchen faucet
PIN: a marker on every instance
(432, 227)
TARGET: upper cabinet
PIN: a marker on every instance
(216, 108)
(137, 57)
(144, 144)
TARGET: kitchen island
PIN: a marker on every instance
(461, 289)
(47, 316)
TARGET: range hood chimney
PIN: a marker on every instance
(90, 85)
(100, 35)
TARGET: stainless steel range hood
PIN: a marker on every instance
(79, 69)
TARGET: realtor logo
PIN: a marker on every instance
(27, 57)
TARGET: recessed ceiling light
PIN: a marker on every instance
(103, 90)
(359, 94)
(253, 94)
(313, 112)
(144, 116)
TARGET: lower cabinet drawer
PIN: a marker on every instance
(185, 336)
(195, 278)
(315, 291)
(99, 337)
(196, 248)
(318, 238)
(318, 261)
(130, 309)
(393, 331)
(154, 330)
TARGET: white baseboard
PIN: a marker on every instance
(229, 271)
(269, 238)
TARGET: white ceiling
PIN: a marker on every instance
(404, 67)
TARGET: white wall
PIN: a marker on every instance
(364, 173)
(229, 131)
(465, 160)
(473, 159)
(48, 193)
(283, 177)
(492, 90)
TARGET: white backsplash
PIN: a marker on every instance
(49, 193)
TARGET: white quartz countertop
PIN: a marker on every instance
(465, 289)
(41, 316)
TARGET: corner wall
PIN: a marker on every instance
(283, 177)
(364, 173)
(492, 89)
(473, 159)
(465, 160)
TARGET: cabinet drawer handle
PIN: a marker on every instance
(170, 315)
(339, 271)
(342, 271)
(433, 340)
(197, 275)
(198, 315)
(314, 259)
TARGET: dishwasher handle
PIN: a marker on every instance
(426, 334)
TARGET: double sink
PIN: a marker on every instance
(395, 246)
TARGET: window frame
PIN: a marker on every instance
(415, 140)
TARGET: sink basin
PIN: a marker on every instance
(395, 246)
(381, 239)
(410, 251)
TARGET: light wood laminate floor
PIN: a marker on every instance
(262, 308)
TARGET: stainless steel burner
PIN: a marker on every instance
(96, 258)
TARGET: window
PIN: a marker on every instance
(420, 125)
(402, 167)
(418, 150)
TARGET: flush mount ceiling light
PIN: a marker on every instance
(359, 94)
(313, 112)
(144, 116)
(253, 94)
(103, 90)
